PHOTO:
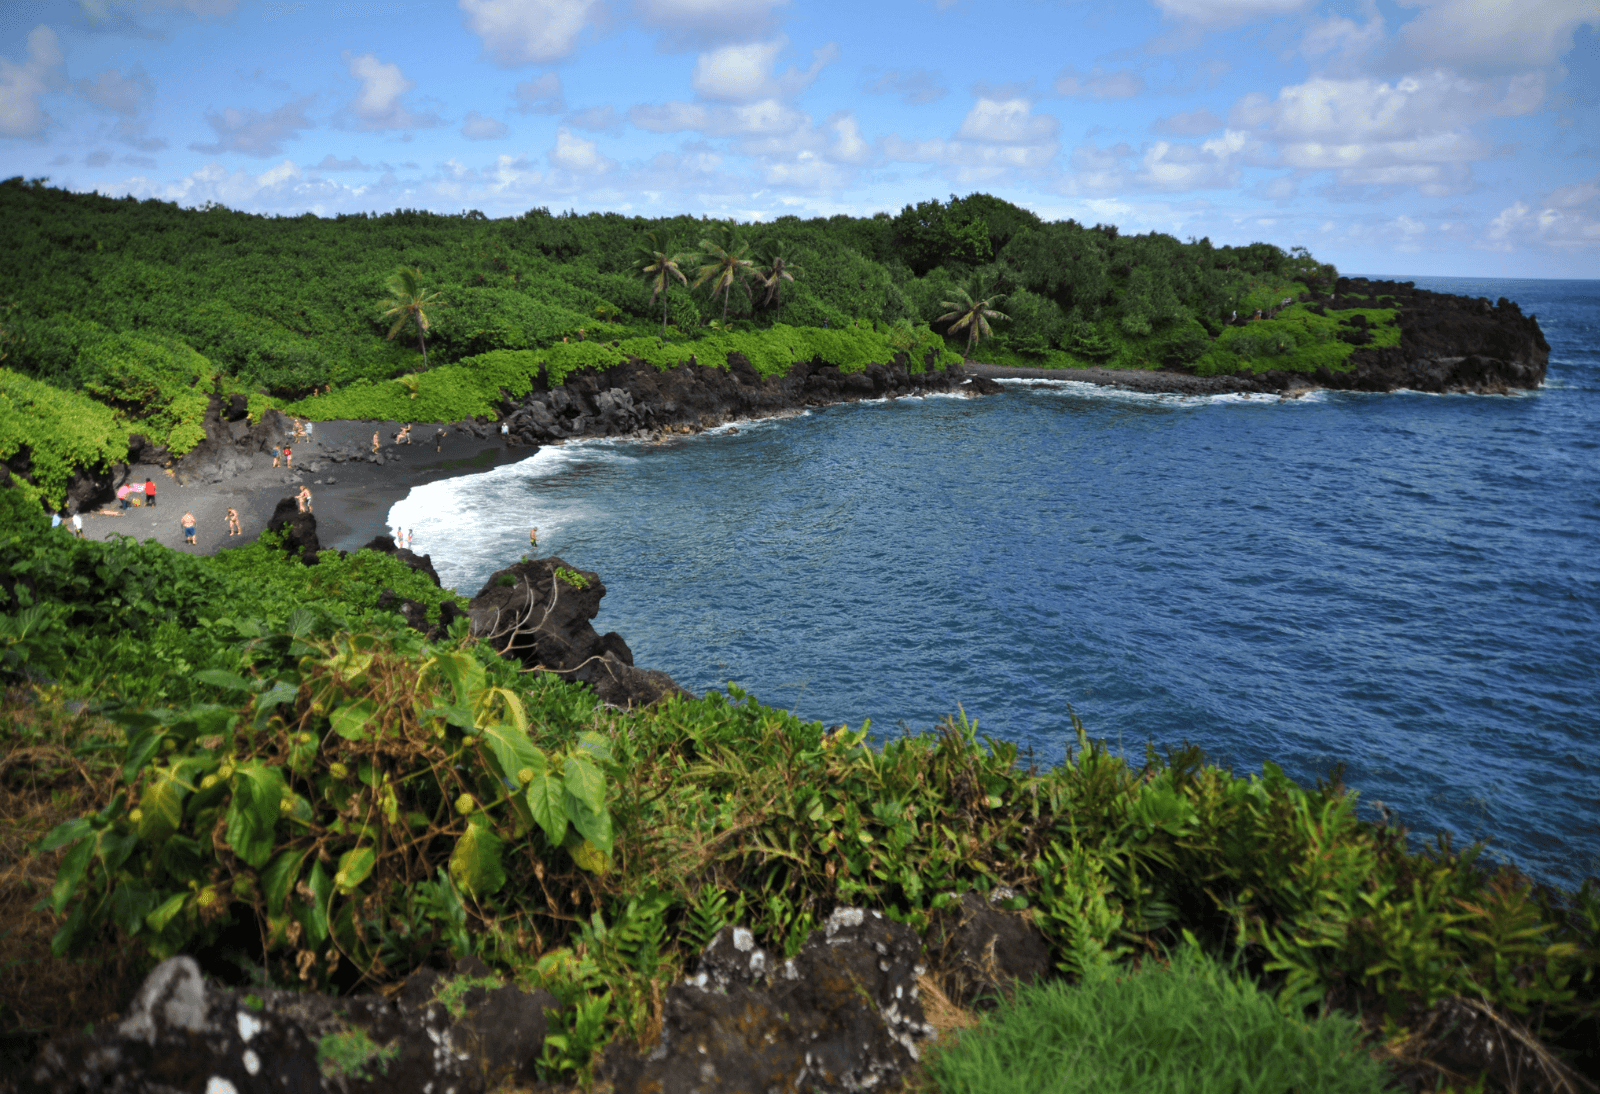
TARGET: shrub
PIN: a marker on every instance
(61, 431)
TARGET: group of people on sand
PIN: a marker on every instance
(146, 494)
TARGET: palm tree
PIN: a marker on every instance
(773, 270)
(973, 314)
(654, 259)
(410, 304)
(724, 265)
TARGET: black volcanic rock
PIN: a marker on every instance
(300, 539)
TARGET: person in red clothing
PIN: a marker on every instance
(150, 493)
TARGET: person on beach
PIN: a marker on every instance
(233, 522)
(277, 455)
(304, 498)
(408, 537)
(186, 522)
(438, 441)
(77, 525)
(150, 493)
(404, 436)
(374, 442)
(55, 518)
(288, 457)
(505, 432)
(122, 494)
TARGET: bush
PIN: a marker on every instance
(61, 432)
(1172, 1027)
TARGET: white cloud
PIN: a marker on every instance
(116, 92)
(1493, 35)
(1163, 166)
(520, 32)
(1195, 123)
(252, 133)
(1008, 121)
(1342, 42)
(23, 84)
(1567, 219)
(689, 21)
(766, 118)
(849, 146)
(1415, 131)
(1100, 84)
(578, 155)
(1228, 12)
(377, 104)
(914, 86)
(541, 95)
(742, 73)
(479, 128)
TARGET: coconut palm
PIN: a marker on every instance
(654, 259)
(973, 310)
(410, 304)
(724, 264)
(774, 270)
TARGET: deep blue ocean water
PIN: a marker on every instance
(1405, 585)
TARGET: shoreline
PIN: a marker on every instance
(1149, 381)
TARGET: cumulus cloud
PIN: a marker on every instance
(915, 86)
(541, 95)
(479, 128)
(1229, 12)
(520, 32)
(1567, 219)
(848, 146)
(252, 133)
(23, 84)
(596, 119)
(743, 73)
(765, 118)
(691, 22)
(377, 105)
(1492, 35)
(578, 155)
(116, 92)
(330, 162)
(1163, 166)
(1196, 123)
(1100, 84)
(1007, 121)
(1412, 132)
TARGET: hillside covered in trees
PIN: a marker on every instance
(101, 293)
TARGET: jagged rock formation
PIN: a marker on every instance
(635, 396)
(231, 446)
(538, 612)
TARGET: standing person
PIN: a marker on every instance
(374, 442)
(122, 494)
(277, 455)
(150, 493)
(77, 525)
(288, 457)
(304, 498)
(405, 434)
(408, 537)
(55, 519)
(533, 539)
(233, 522)
(438, 440)
(186, 522)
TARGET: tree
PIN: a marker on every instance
(724, 265)
(773, 270)
(654, 259)
(973, 310)
(410, 304)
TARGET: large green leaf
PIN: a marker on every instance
(466, 676)
(595, 827)
(354, 868)
(161, 805)
(277, 880)
(70, 874)
(131, 901)
(595, 745)
(222, 678)
(519, 762)
(475, 864)
(546, 799)
(584, 782)
(313, 916)
(253, 812)
(157, 920)
(64, 833)
(350, 721)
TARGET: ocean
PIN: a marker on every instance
(1400, 587)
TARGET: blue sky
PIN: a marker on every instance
(1389, 136)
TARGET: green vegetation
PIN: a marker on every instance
(353, 1055)
(270, 766)
(1184, 1026)
(55, 432)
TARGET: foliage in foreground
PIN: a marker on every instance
(1181, 1026)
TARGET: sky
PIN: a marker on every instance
(1426, 137)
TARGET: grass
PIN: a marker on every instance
(1185, 1026)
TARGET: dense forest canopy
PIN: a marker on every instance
(124, 298)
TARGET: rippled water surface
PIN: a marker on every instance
(1403, 584)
